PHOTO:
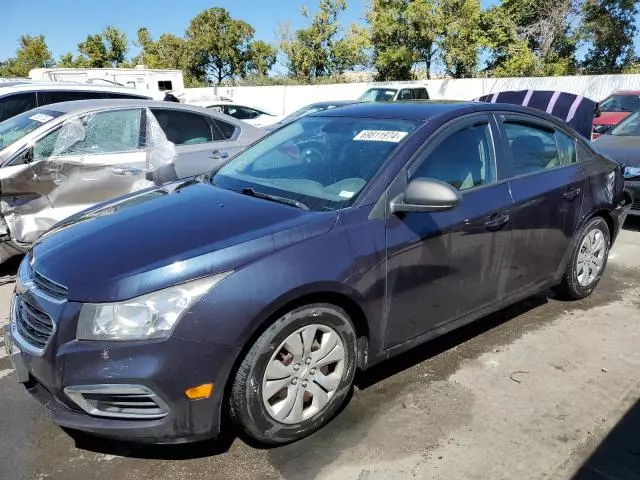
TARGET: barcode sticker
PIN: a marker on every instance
(380, 136)
(41, 117)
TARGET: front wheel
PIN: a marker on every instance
(296, 375)
(588, 260)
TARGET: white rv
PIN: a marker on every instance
(140, 78)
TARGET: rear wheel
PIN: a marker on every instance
(588, 260)
(296, 376)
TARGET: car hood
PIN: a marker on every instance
(622, 149)
(164, 236)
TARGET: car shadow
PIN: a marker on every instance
(618, 455)
(632, 223)
(362, 381)
(9, 269)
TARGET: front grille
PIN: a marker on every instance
(48, 286)
(34, 326)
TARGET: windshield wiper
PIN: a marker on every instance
(274, 198)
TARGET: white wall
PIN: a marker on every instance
(286, 99)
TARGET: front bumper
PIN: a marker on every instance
(167, 368)
(633, 186)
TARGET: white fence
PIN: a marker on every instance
(286, 99)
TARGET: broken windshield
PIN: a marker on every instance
(17, 127)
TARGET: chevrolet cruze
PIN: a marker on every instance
(338, 241)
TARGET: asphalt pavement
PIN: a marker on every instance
(543, 389)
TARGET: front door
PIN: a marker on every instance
(548, 185)
(443, 266)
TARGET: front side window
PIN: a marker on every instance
(184, 128)
(629, 127)
(464, 160)
(12, 105)
(533, 147)
(323, 162)
(405, 94)
(15, 128)
(115, 131)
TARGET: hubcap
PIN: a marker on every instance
(303, 374)
(590, 257)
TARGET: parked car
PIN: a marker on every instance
(252, 115)
(615, 108)
(60, 159)
(622, 144)
(308, 110)
(394, 93)
(21, 96)
(259, 289)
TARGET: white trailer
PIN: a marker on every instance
(140, 78)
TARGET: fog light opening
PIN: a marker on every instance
(199, 392)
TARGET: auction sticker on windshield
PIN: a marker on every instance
(41, 117)
(380, 136)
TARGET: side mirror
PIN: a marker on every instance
(426, 195)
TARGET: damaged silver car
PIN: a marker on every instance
(60, 159)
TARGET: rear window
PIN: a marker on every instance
(620, 103)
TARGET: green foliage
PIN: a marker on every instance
(261, 58)
(32, 53)
(323, 49)
(102, 50)
(461, 37)
(221, 47)
(609, 28)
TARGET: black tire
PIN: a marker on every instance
(570, 287)
(246, 401)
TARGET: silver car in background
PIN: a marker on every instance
(60, 159)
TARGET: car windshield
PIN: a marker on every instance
(629, 127)
(378, 95)
(303, 112)
(620, 103)
(320, 162)
(14, 128)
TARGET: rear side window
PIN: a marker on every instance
(533, 147)
(12, 105)
(464, 160)
(420, 94)
(226, 129)
(184, 128)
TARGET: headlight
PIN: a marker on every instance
(150, 316)
(631, 172)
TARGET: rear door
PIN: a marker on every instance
(201, 141)
(548, 185)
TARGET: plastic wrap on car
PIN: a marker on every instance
(80, 165)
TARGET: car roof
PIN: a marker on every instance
(330, 103)
(427, 109)
(33, 86)
(82, 106)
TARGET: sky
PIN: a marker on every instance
(64, 27)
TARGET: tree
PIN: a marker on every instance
(32, 53)
(609, 28)
(460, 38)
(530, 37)
(392, 39)
(323, 49)
(261, 58)
(425, 24)
(101, 50)
(220, 47)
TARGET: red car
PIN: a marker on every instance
(614, 109)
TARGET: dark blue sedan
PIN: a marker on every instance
(334, 243)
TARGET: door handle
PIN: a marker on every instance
(497, 221)
(571, 193)
(127, 171)
(218, 155)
